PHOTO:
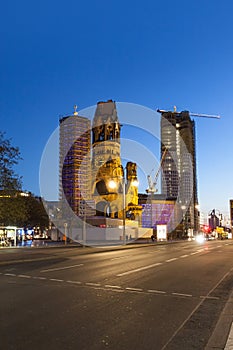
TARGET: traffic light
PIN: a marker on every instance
(206, 229)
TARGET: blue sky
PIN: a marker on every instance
(158, 54)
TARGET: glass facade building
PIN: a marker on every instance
(179, 178)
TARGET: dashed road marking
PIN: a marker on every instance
(75, 282)
(112, 286)
(182, 294)
(134, 289)
(62, 268)
(170, 260)
(120, 257)
(56, 280)
(139, 269)
(209, 297)
(93, 284)
(24, 276)
(160, 263)
(156, 291)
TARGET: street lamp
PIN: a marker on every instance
(83, 213)
(112, 184)
(183, 207)
(65, 233)
(124, 203)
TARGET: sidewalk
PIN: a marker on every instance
(229, 344)
(222, 337)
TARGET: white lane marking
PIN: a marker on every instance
(92, 284)
(139, 269)
(218, 246)
(76, 282)
(170, 260)
(194, 253)
(209, 297)
(110, 286)
(56, 280)
(24, 276)
(10, 274)
(134, 289)
(183, 256)
(120, 257)
(62, 268)
(156, 291)
(200, 250)
(182, 294)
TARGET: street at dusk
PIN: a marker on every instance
(156, 54)
(142, 296)
(116, 196)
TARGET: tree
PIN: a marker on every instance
(9, 157)
(16, 208)
(22, 211)
(13, 210)
(36, 213)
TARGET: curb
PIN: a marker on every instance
(220, 338)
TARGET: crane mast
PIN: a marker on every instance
(152, 183)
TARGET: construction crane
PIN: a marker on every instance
(153, 183)
(191, 114)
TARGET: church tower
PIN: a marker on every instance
(106, 161)
(105, 134)
(109, 183)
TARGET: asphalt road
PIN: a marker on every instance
(144, 297)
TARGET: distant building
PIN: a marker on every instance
(158, 210)
(75, 162)
(179, 179)
(231, 212)
(214, 220)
